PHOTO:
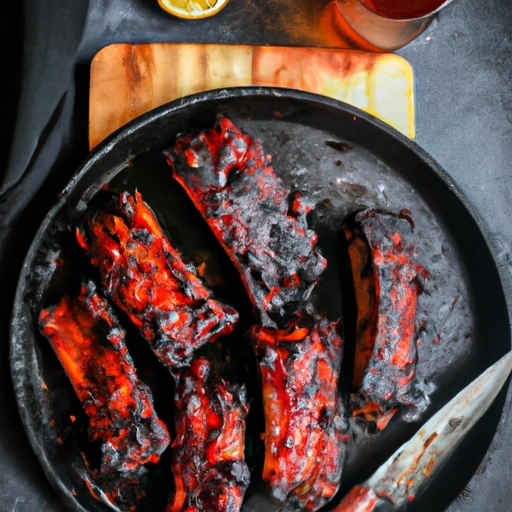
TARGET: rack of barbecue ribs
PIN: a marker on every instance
(262, 226)
(259, 221)
(145, 276)
(89, 342)
(304, 424)
(209, 468)
(387, 282)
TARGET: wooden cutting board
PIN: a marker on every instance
(128, 80)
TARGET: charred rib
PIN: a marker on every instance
(89, 342)
(260, 223)
(145, 276)
(304, 439)
(387, 285)
(209, 468)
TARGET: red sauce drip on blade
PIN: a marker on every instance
(359, 499)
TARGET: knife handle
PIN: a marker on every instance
(362, 499)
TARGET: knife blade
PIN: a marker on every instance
(400, 478)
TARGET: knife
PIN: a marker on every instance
(400, 478)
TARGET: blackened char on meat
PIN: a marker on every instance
(304, 425)
(260, 222)
(145, 276)
(387, 283)
(209, 469)
(262, 226)
(90, 344)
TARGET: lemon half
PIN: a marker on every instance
(192, 9)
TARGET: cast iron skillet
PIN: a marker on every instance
(342, 160)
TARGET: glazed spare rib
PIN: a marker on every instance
(387, 283)
(145, 276)
(209, 468)
(259, 221)
(304, 425)
(90, 344)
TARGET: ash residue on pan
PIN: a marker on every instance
(336, 176)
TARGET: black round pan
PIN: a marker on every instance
(342, 160)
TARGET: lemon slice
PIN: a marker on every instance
(192, 9)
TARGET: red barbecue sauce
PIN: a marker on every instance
(403, 9)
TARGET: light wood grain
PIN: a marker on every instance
(128, 80)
